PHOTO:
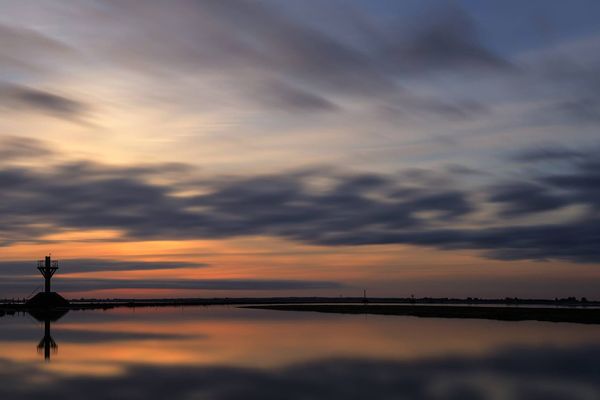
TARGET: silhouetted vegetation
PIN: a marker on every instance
(551, 314)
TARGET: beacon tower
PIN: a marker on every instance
(47, 298)
(47, 268)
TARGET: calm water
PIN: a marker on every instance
(233, 353)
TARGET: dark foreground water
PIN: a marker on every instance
(233, 353)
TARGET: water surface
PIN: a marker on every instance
(222, 352)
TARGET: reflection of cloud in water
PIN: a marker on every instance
(520, 373)
(269, 339)
(229, 353)
(86, 336)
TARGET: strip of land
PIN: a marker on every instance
(572, 315)
(508, 309)
(167, 302)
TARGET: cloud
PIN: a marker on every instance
(323, 206)
(15, 147)
(573, 241)
(24, 284)
(204, 284)
(25, 51)
(21, 276)
(283, 96)
(93, 265)
(106, 198)
(523, 198)
(583, 108)
(274, 57)
(566, 77)
(213, 53)
(548, 153)
(301, 67)
(28, 99)
(522, 373)
(244, 39)
(447, 40)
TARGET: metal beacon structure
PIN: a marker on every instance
(47, 298)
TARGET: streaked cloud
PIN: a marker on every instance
(15, 147)
(527, 372)
(22, 98)
(20, 267)
(425, 208)
(25, 51)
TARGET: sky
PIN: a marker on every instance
(298, 148)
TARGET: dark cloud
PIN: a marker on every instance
(29, 99)
(548, 153)
(524, 198)
(583, 182)
(574, 241)
(320, 206)
(447, 40)
(278, 204)
(522, 373)
(14, 147)
(93, 265)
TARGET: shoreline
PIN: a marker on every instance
(568, 315)
(513, 310)
(508, 301)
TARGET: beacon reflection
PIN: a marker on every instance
(47, 345)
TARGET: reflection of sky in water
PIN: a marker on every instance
(227, 352)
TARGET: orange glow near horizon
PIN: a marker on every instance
(255, 258)
(376, 267)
